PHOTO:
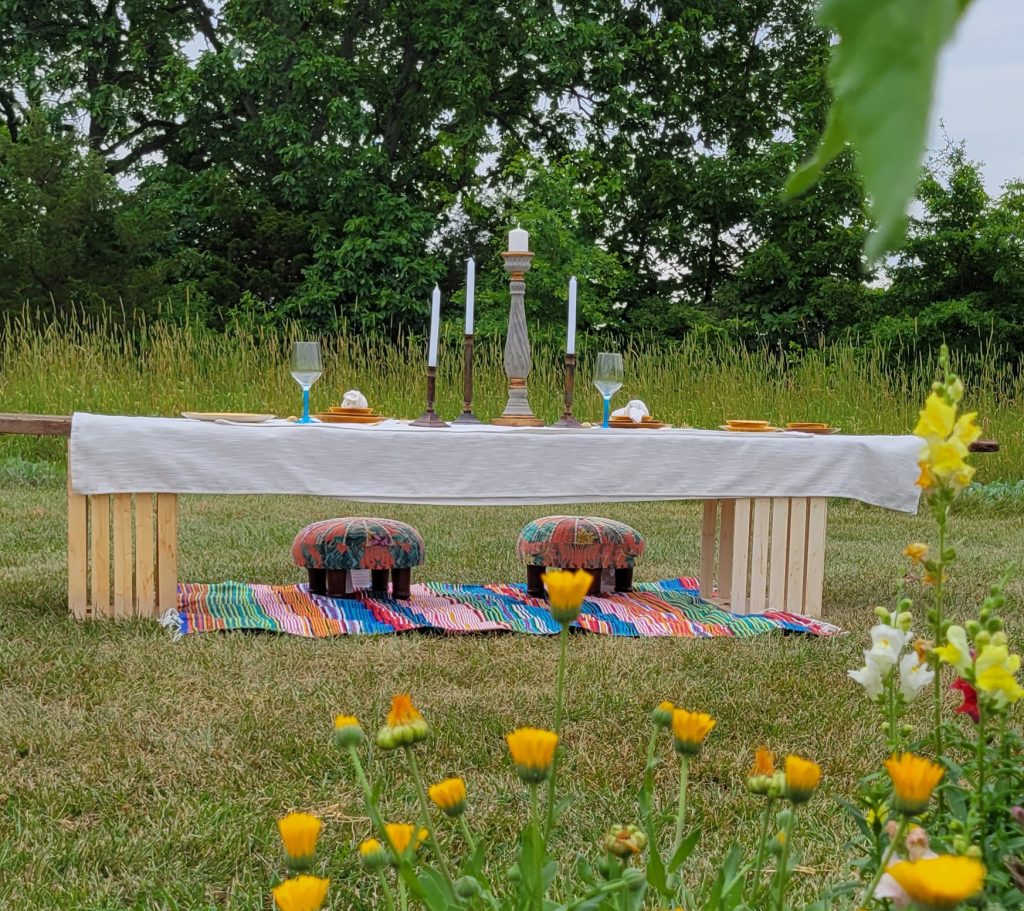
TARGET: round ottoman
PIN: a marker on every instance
(330, 549)
(579, 542)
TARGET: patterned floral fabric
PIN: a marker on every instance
(358, 543)
(589, 542)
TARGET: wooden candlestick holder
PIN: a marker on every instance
(467, 416)
(429, 417)
(567, 419)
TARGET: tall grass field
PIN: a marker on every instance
(163, 369)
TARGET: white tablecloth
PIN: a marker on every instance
(396, 463)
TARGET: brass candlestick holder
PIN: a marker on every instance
(467, 416)
(429, 417)
(567, 419)
(518, 359)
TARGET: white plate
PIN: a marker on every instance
(235, 417)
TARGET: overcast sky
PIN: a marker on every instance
(981, 89)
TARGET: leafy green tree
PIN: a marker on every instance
(960, 275)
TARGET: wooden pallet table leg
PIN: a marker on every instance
(796, 555)
(707, 549)
(740, 556)
(78, 553)
(779, 549)
(727, 528)
(759, 555)
(167, 551)
(99, 527)
(124, 590)
(145, 557)
(817, 521)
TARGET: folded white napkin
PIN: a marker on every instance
(635, 410)
(354, 399)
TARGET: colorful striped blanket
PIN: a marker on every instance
(672, 607)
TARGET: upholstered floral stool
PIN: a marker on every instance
(331, 549)
(579, 542)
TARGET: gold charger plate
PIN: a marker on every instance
(768, 429)
(331, 417)
(626, 422)
(818, 431)
(237, 417)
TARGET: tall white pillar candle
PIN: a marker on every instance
(518, 241)
(570, 344)
(435, 321)
(470, 294)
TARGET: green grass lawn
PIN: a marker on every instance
(139, 772)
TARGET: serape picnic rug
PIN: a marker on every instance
(672, 607)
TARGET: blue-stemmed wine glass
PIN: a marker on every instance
(306, 368)
(608, 379)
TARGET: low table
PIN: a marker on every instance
(765, 496)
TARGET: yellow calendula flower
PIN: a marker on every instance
(937, 883)
(802, 778)
(301, 893)
(566, 591)
(347, 730)
(533, 751)
(299, 832)
(661, 715)
(917, 552)
(402, 837)
(449, 796)
(936, 419)
(995, 675)
(373, 855)
(913, 780)
(690, 730)
(404, 725)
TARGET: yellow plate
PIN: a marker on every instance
(806, 425)
(628, 422)
(749, 429)
(333, 418)
(747, 425)
(237, 417)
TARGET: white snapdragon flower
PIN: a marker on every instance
(870, 677)
(886, 644)
(915, 675)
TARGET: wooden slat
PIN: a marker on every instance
(815, 571)
(123, 589)
(99, 530)
(796, 556)
(43, 425)
(726, 529)
(167, 550)
(78, 553)
(707, 548)
(740, 556)
(759, 555)
(145, 557)
(780, 543)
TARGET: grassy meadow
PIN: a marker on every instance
(143, 773)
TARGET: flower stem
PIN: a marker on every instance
(884, 862)
(652, 744)
(371, 806)
(763, 843)
(563, 643)
(403, 900)
(979, 788)
(421, 792)
(942, 518)
(467, 834)
(684, 775)
(389, 899)
(534, 807)
(784, 859)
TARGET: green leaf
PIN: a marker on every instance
(684, 850)
(882, 76)
(833, 141)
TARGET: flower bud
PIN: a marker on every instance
(973, 627)
(661, 716)
(467, 888)
(960, 844)
(636, 880)
(973, 851)
(1000, 638)
(882, 614)
(624, 841)
(904, 621)
(347, 731)
(982, 639)
(373, 855)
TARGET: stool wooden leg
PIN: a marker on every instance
(534, 581)
(379, 580)
(595, 585)
(317, 581)
(624, 579)
(336, 579)
(401, 584)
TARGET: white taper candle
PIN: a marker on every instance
(570, 344)
(435, 322)
(470, 294)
